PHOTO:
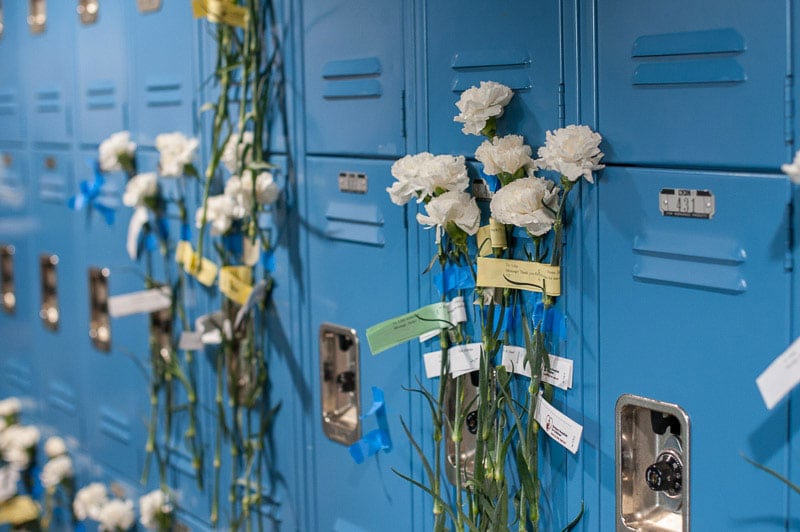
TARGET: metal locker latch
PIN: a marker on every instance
(7, 279)
(469, 429)
(99, 321)
(148, 6)
(49, 310)
(37, 15)
(652, 465)
(339, 382)
(88, 10)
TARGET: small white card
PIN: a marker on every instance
(559, 374)
(143, 302)
(781, 376)
(433, 364)
(191, 341)
(463, 359)
(458, 314)
(558, 426)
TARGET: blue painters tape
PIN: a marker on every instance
(233, 244)
(186, 232)
(151, 242)
(378, 439)
(268, 261)
(552, 320)
(511, 318)
(88, 192)
(454, 278)
(492, 182)
(163, 228)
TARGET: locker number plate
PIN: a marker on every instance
(686, 203)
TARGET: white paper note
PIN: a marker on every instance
(458, 314)
(558, 426)
(559, 374)
(463, 359)
(191, 341)
(781, 376)
(143, 302)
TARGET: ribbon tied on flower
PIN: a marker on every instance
(220, 12)
(88, 196)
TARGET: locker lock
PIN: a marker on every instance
(339, 383)
(666, 474)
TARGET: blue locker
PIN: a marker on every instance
(690, 312)
(688, 84)
(48, 69)
(163, 67)
(12, 97)
(515, 43)
(358, 257)
(102, 74)
(55, 356)
(354, 77)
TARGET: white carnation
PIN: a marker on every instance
(18, 443)
(264, 189)
(139, 187)
(56, 470)
(9, 477)
(478, 104)
(110, 150)
(572, 151)
(3, 424)
(151, 506)
(529, 202)
(55, 446)
(89, 501)
(423, 175)
(116, 514)
(793, 170)
(10, 406)
(504, 154)
(177, 151)
(234, 150)
(221, 214)
(453, 206)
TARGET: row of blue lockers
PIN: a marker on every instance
(688, 311)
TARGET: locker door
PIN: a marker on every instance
(688, 83)
(49, 73)
(164, 84)
(512, 42)
(102, 72)
(358, 269)
(690, 312)
(12, 102)
(18, 281)
(353, 63)
(57, 288)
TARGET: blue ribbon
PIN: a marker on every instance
(453, 278)
(88, 193)
(375, 440)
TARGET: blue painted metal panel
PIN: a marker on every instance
(102, 74)
(690, 312)
(163, 71)
(12, 97)
(512, 42)
(350, 285)
(686, 84)
(353, 62)
(49, 73)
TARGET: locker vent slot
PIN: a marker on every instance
(352, 78)
(8, 103)
(62, 397)
(48, 100)
(511, 67)
(163, 92)
(101, 95)
(115, 425)
(691, 42)
(18, 375)
(355, 223)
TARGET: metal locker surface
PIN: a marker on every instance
(102, 72)
(12, 97)
(691, 310)
(688, 83)
(48, 70)
(357, 259)
(165, 84)
(513, 42)
(354, 77)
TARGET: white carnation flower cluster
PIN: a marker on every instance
(238, 151)
(241, 196)
(572, 151)
(793, 169)
(478, 105)
(453, 206)
(530, 202)
(116, 514)
(92, 502)
(177, 151)
(139, 188)
(10, 409)
(118, 145)
(18, 445)
(504, 155)
(154, 508)
(425, 175)
(59, 466)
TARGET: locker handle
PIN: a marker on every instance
(99, 321)
(88, 10)
(37, 16)
(7, 279)
(339, 383)
(48, 311)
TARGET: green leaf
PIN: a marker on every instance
(572, 524)
(772, 472)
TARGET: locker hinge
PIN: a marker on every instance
(788, 257)
(562, 112)
(403, 112)
(788, 109)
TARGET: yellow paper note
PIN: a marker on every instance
(497, 232)
(183, 252)
(484, 241)
(236, 282)
(220, 12)
(519, 274)
(18, 511)
(203, 269)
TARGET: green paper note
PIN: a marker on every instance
(403, 328)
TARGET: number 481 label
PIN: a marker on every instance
(686, 203)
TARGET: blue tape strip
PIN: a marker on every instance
(552, 320)
(186, 232)
(511, 318)
(233, 244)
(88, 192)
(375, 440)
(453, 278)
(268, 261)
(491, 181)
(151, 242)
(163, 228)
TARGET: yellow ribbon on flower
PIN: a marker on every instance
(236, 282)
(221, 12)
(203, 269)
